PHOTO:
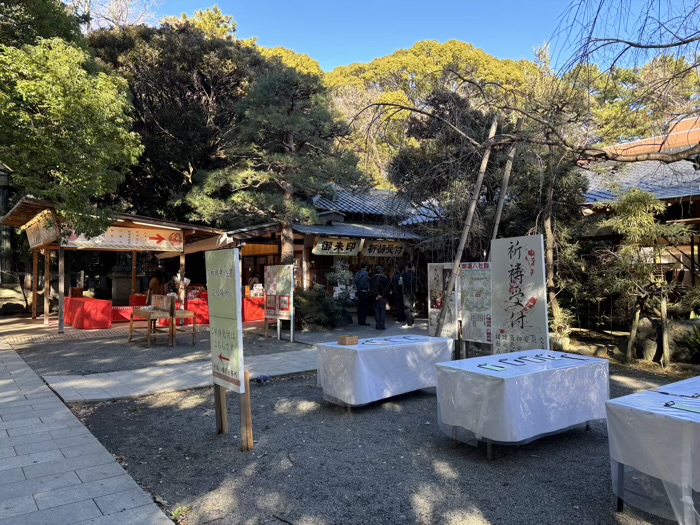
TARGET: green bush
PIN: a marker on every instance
(315, 309)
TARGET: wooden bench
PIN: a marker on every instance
(162, 307)
(185, 314)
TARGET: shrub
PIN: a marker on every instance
(315, 309)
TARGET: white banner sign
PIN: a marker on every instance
(438, 277)
(225, 326)
(475, 301)
(279, 291)
(519, 299)
(116, 238)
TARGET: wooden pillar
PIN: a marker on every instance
(134, 256)
(47, 285)
(61, 288)
(35, 269)
(220, 409)
(246, 416)
(692, 259)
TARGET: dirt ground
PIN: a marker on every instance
(388, 463)
(90, 356)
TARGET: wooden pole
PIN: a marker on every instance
(246, 416)
(35, 270)
(47, 285)
(467, 226)
(61, 288)
(504, 183)
(134, 256)
(221, 409)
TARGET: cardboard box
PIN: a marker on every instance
(347, 340)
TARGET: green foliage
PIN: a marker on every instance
(315, 309)
(282, 153)
(64, 128)
(692, 341)
(26, 21)
(301, 63)
(211, 21)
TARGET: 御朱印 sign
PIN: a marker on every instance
(337, 247)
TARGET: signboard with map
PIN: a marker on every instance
(475, 301)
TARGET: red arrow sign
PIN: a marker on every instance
(158, 238)
(222, 358)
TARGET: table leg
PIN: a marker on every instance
(620, 487)
(489, 451)
(131, 326)
(194, 331)
(149, 323)
(588, 425)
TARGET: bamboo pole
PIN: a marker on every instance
(467, 226)
(504, 183)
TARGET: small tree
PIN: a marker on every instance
(634, 269)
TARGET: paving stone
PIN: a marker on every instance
(6, 452)
(30, 459)
(79, 450)
(23, 440)
(74, 430)
(57, 444)
(146, 515)
(65, 465)
(17, 506)
(93, 489)
(106, 470)
(9, 425)
(10, 476)
(121, 501)
(49, 412)
(39, 427)
(36, 485)
(65, 515)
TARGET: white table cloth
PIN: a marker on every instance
(520, 396)
(655, 449)
(380, 367)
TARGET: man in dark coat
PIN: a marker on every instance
(409, 293)
(379, 287)
(397, 298)
(362, 286)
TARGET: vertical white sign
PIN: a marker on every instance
(279, 291)
(438, 277)
(225, 326)
(519, 294)
(475, 301)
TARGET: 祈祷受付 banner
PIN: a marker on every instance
(519, 294)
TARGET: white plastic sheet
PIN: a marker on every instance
(380, 367)
(530, 394)
(655, 450)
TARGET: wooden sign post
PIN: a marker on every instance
(226, 335)
(279, 297)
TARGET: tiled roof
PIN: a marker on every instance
(369, 231)
(374, 202)
(666, 181)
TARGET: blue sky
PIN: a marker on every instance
(341, 32)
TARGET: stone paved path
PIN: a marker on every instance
(52, 470)
(154, 380)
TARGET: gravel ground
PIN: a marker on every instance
(90, 356)
(388, 463)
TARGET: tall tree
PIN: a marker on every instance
(25, 21)
(105, 14)
(283, 154)
(211, 21)
(64, 128)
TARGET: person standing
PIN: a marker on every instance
(362, 287)
(409, 293)
(379, 286)
(397, 298)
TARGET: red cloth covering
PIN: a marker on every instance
(137, 299)
(253, 309)
(200, 307)
(88, 314)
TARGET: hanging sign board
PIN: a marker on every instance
(475, 301)
(438, 277)
(116, 238)
(519, 298)
(279, 291)
(43, 229)
(225, 326)
(337, 247)
(374, 248)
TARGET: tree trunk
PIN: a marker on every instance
(549, 247)
(666, 359)
(287, 243)
(633, 332)
(504, 184)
